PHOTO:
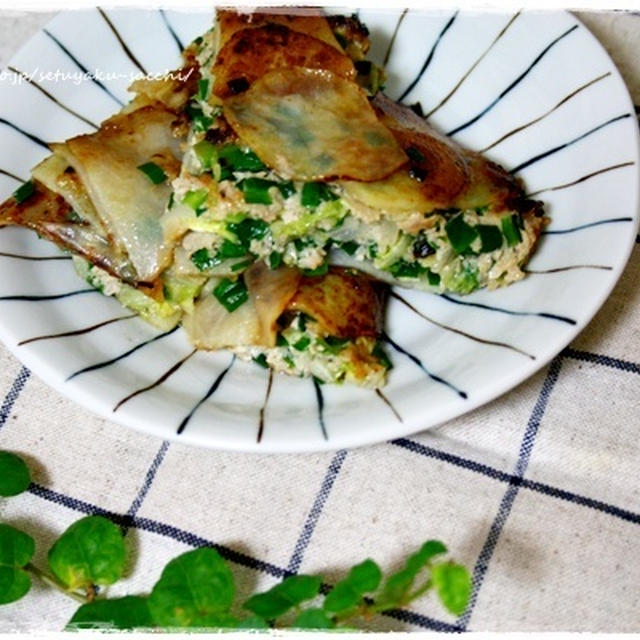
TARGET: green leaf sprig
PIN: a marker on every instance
(197, 590)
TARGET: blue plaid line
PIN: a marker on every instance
(316, 510)
(12, 395)
(148, 480)
(607, 361)
(193, 540)
(531, 485)
(482, 564)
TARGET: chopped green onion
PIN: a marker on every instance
(460, 234)
(281, 341)
(239, 266)
(349, 247)
(24, 191)
(256, 190)
(203, 260)
(405, 269)
(238, 159)
(230, 250)
(332, 345)
(510, 229)
(153, 172)
(200, 121)
(248, 229)
(313, 193)
(196, 199)
(322, 270)
(231, 294)
(203, 88)
(275, 260)
(433, 278)
(379, 352)
(482, 210)
(261, 360)
(490, 237)
(287, 189)
(302, 344)
(206, 153)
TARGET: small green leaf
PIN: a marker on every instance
(313, 619)
(130, 612)
(195, 589)
(14, 584)
(279, 599)
(16, 549)
(253, 622)
(91, 551)
(453, 585)
(14, 474)
(366, 576)
(347, 593)
(397, 585)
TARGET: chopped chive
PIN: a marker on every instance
(490, 237)
(238, 159)
(275, 260)
(230, 250)
(510, 229)
(313, 193)
(322, 270)
(379, 352)
(24, 191)
(231, 294)
(248, 229)
(281, 341)
(196, 199)
(332, 345)
(349, 247)
(302, 344)
(239, 266)
(287, 189)
(206, 153)
(433, 278)
(203, 88)
(289, 360)
(261, 360)
(460, 234)
(153, 172)
(202, 259)
(405, 269)
(256, 190)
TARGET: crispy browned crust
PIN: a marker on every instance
(344, 302)
(451, 175)
(251, 53)
(302, 19)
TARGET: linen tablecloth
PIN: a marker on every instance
(538, 492)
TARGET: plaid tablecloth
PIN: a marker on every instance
(538, 492)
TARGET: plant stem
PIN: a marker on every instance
(52, 583)
(418, 592)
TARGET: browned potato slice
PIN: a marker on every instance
(345, 303)
(250, 53)
(313, 125)
(303, 19)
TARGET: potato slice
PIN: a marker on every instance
(313, 125)
(250, 53)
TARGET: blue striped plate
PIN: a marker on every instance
(534, 90)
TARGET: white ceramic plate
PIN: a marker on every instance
(536, 90)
